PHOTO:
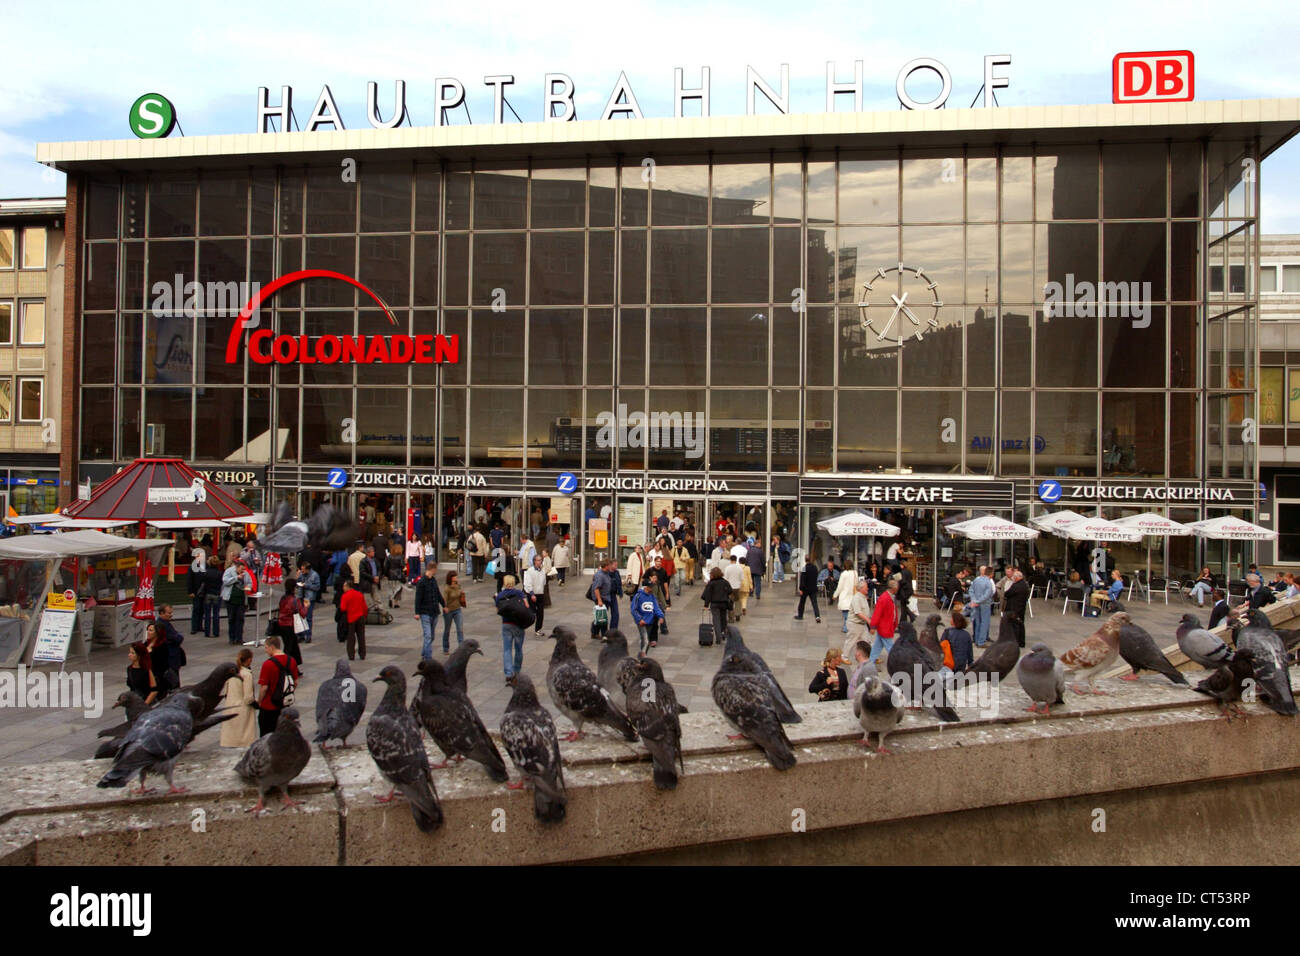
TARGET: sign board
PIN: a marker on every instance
(1167, 76)
(57, 637)
(597, 528)
(190, 494)
(631, 523)
(892, 492)
(67, 601)
(1118, 491)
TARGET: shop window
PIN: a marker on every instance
(6, 248)
(6, 323)
(31, 399)
(6, 400)
(34, 247)
(1291, 278)
(33, 327)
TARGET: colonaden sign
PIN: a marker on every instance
(266, 348)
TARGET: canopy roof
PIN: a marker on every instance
(73, 544)
(177, 490)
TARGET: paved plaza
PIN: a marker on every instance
(794, 650)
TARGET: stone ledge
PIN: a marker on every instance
(1147, 734)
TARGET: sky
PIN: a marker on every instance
(210, 58)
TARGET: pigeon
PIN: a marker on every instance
(453, 723)
(999, 657)
(576, 692)
(879, 707)
(133, 704)
(929, 639)
(328, 529)
(529, 735)
(736, 645)
(652, 709)
(743, 693)
(910, 668)
(1204, 647)
(457, 661)
(340, 702)
(1095, 654)
(1272, 679)
(1140, 651)
(274, 759)
(1042, 677)
(613, 663)
(212, 688)
(394, 740)
(156, 739)
(1229, 680)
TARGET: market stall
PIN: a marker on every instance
(86, 573)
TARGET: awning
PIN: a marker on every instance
(75, 523)
(178, 524)
(52, 517)
(70, 544)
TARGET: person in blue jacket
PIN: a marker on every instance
(647, 613)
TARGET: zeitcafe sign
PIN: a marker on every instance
(559, 91)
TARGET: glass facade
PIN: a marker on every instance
(1054, 304)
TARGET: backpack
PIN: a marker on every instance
(515, 610)
(784, 551)
(282, 692)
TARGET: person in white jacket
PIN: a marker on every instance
(535, 588)
(635, 566)
(560, 558)
(844, 589)
(239, 698)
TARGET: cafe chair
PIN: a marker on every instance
(1074, 592)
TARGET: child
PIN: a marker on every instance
(958, 648)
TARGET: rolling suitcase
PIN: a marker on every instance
(706, 631)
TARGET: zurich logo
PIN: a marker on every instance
(337, 478)
(1049, 491)
(566, 483)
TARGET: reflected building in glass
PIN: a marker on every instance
(942, 305)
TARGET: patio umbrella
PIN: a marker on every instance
(1055, 522)
(1099, 529)
(1153, 525)
(142, 608)
(992, 528)
(857, 524)
(1230, 528)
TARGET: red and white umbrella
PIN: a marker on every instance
(992, 528)
(1157, 525)
(1099, 529)
(142, 608)
(272, 570)
(1056, 521)
(1230, 528)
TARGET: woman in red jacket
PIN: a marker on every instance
(290, 605)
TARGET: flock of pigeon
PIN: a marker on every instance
(630, 696)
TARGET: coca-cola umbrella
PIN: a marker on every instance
(1153, 525)
(857, 524)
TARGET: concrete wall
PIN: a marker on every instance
(1010, 787)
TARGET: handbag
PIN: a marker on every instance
(299, 624)
(492, 568)
(629, 587)
(546, 595)
(599, 616)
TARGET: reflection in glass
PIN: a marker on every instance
(981, 188)
(1134, 256)
(740, 265)
(559, 198)
(1015, 437)
(496, 432)
(556, 266)
(738, 347)
(452, 402)
(551, 413)
(865, 359)
(676, 437)
(869, 190)
(741, 193)
(1133, 356)
(1134, 180)
(936, 359)
(678, 265)
(818, 438)
(932, 187)
(1017, 186)
(497, 347)
(555, 348)
(499, 198)
(1067, 183)
(1133, 434)
(499, 268)
(677, 355)
(168, 416)
(931, 435)
(1067, 424)
(981, 427)
(867, 438)
(98, 423)
(738, 430)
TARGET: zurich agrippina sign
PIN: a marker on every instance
(559, 92)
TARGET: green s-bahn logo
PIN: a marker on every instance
(152, 116)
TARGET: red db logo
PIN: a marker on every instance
(1164, 77)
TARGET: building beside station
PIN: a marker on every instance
(926, 313)
(32, 299)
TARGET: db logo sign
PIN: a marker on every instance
(1166, 77)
